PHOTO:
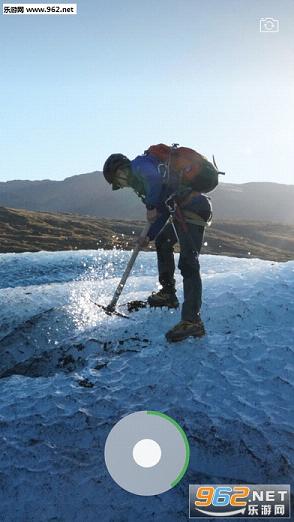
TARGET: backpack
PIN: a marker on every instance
(190, 167)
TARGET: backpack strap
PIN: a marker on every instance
(164, 154)
(164, 168)
(169, 161)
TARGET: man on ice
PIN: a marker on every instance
(170, 181)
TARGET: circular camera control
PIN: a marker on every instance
(147, 453)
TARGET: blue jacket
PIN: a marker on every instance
(148, 183)
(145, 172)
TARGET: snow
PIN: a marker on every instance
(69, 372)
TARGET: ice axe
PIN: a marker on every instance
(110, 309)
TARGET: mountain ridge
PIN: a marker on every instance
(31, 231)
(89, 194)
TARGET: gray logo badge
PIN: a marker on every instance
(147, 453)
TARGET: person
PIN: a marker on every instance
(191, 211)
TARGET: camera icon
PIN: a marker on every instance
(269, 25)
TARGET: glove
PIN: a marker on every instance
(143, 241)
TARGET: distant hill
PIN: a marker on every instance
(28, 231)
(89, 194)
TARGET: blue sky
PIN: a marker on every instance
(121, 75)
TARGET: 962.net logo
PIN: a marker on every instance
(227, 500)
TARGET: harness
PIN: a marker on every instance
(176, 214)
(175, 211)
(172, 206)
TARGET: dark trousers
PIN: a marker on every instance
(190, 246)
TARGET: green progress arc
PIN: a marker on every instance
(187, 447)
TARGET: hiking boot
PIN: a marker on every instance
(185, 329)
(163, 298)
